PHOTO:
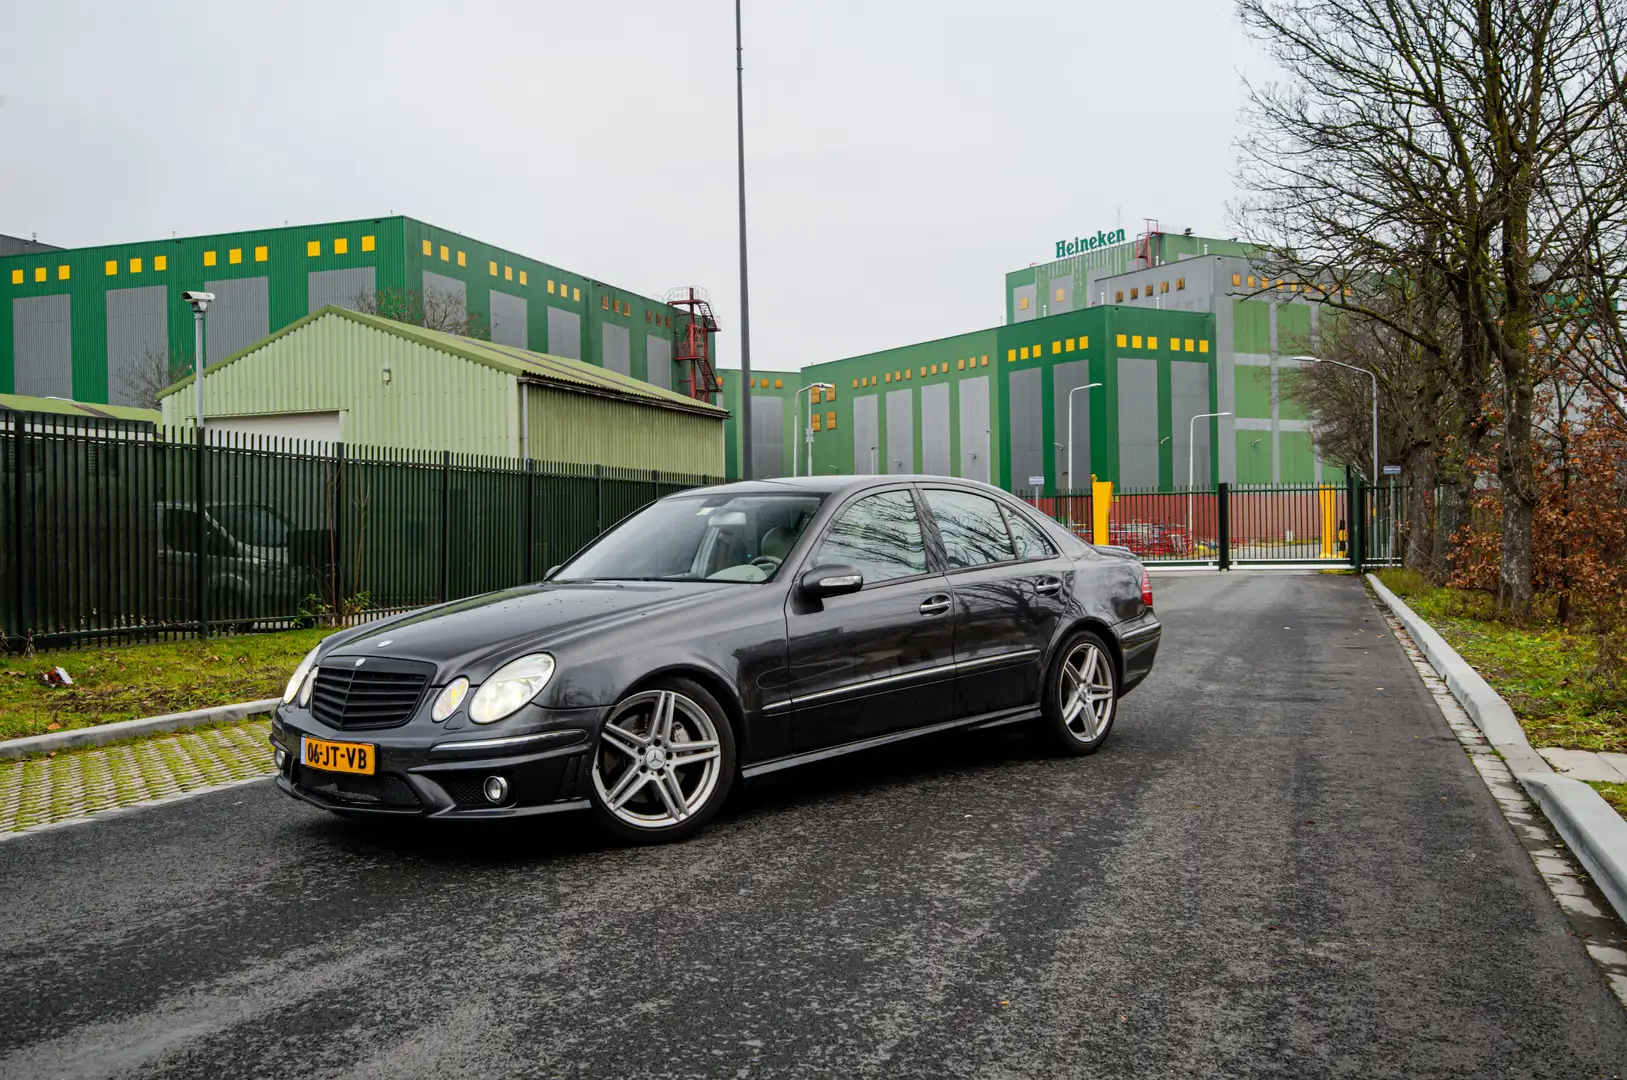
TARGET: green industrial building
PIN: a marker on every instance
(78, 323)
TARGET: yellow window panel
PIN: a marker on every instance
(830, 421)
(1347, 290)
(313, 248)
(1121, 341)
(1279, 283)
(779, 385)
(907, 373)
(1135, 341)
(493, 268)
(17, 275)
(1163, 286)
(934, 369)
(813, 421)
(445, 254)
(923, 371)
(604, 303)
(1022, 354)
(1188, 344)
(576, 295)
(830, 395)
(428, 248)
(1022, 305)
(550, 282)
(112, 266)
(985, 360)
(1084, 342)
(898, 376)
(1175, 344)
(1067, 346)
(235, 255)
(1056, 347)
(341, 246)
(1250, 280)
(260, 254)
(460, 259)
(522, 277)
(367, 243)
(763, 383)
(1237, 279)
(889, 376)
(1203, 345)
(135, 268)
(960, 365)
(160, 262)
(1180, 283)
(1152, 343)
(1135, 294)
(855, 384)
(39, 271)
(1059, 296)
(508, 273)
(1011, 354)
(1118, 297)
(1293, 286)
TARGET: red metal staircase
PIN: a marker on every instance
(692, 340)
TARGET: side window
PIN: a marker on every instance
(973, 530)
(1031, 542)
(879, 535)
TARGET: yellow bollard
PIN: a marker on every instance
(1326, 496)
(1101, 504)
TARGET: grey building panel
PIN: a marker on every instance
(658, 360)
(1026, 411)
(1030, 293)
(1138, 424)
(1064, 379)
(1059, 297)
(935, 458)
(974, 428)
(446, 294)
(1189, 397)
(42, 346)
(342, 288)
(900, 432)
(17, 245)
(564, 333)
(866, 449)
(137, 341)
(239, 317)
(616, 345)
(509, 320)
(767, 434)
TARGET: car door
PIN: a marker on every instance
(879, 660)
(1011, 588)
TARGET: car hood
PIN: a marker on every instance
(476, 635)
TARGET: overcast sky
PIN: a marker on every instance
(902, 155)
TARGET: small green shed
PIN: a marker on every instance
(364, 380)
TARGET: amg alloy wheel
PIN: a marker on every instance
(664, 763)
(1082, 696)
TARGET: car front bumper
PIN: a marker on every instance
(426, 771)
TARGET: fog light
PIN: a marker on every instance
(495, 789)
(281, 757)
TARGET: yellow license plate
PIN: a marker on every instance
(338, 756)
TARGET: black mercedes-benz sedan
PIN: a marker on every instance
(716, 635)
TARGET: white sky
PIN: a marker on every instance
(902, 155)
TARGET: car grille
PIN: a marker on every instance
(367, 791)
(382, 694)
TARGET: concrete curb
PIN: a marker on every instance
(128, 729)
(1590, 828)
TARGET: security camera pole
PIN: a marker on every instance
(199, 302)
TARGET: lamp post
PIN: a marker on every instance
(1071, 485)
(1371, 375)
(745, 296)
(1191, 459)
(809, 428)
(199, 303)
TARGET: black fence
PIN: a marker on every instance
(1305, 524)
(114, 531)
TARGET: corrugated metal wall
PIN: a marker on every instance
(42, 344)
(137, 341)
(767, 437)
(239, 317)
(1189, 397)
(617, 355)
(564, 333)
(1025, 406)
(353, 287)
(900, 432)
(866, 447)
(1138, 423)
(580, 427)
(935, 430)
(508, 320)
(975, 461)
(1064, 379)
(658, 359)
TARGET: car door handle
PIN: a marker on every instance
(935, 605)
(1047, 586)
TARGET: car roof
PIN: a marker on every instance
(832, 484)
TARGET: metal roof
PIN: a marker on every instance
(529, 366)
(64, 407)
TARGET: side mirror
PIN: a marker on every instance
(832, 580)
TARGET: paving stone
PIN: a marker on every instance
(1586, 765)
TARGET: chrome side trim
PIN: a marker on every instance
(855, 688)
(999, 660)
(575, 734)
(778, 706)
(763, 768)
(1133, 636)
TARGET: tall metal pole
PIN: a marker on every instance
(1072, 485)
(197, 363)
(1373, 375)
(1191, 458)
(745, 294)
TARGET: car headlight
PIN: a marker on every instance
(305, 690)
(298, 677)
(511, 686)
(447, 702)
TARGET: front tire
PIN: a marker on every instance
(664, 763)
(1081, 696)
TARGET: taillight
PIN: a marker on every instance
(1146, 588)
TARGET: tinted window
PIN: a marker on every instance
(973, 531)
(880, 535)
(1031, 542)
(741, 538)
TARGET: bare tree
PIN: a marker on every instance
(145, 376)
(433, 309)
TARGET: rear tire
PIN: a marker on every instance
(1081, 696)
(663, 764)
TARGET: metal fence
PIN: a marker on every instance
(115, 531)
(1309, 524)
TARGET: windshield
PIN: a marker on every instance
(250, 523)
(694, 538)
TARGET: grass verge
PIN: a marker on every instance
(1614, 794)
(133, 681)
(1544, 671)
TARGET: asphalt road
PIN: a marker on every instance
(1282, 864)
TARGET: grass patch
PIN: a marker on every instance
(134, 681)
(1614, 794)
(1547, 673)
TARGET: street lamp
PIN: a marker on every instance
(1371, 375)
(1191, 458)
(809, 429)
(745, 295)
(199, 302)
(1071, 485)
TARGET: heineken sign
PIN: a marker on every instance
(1081, 244)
